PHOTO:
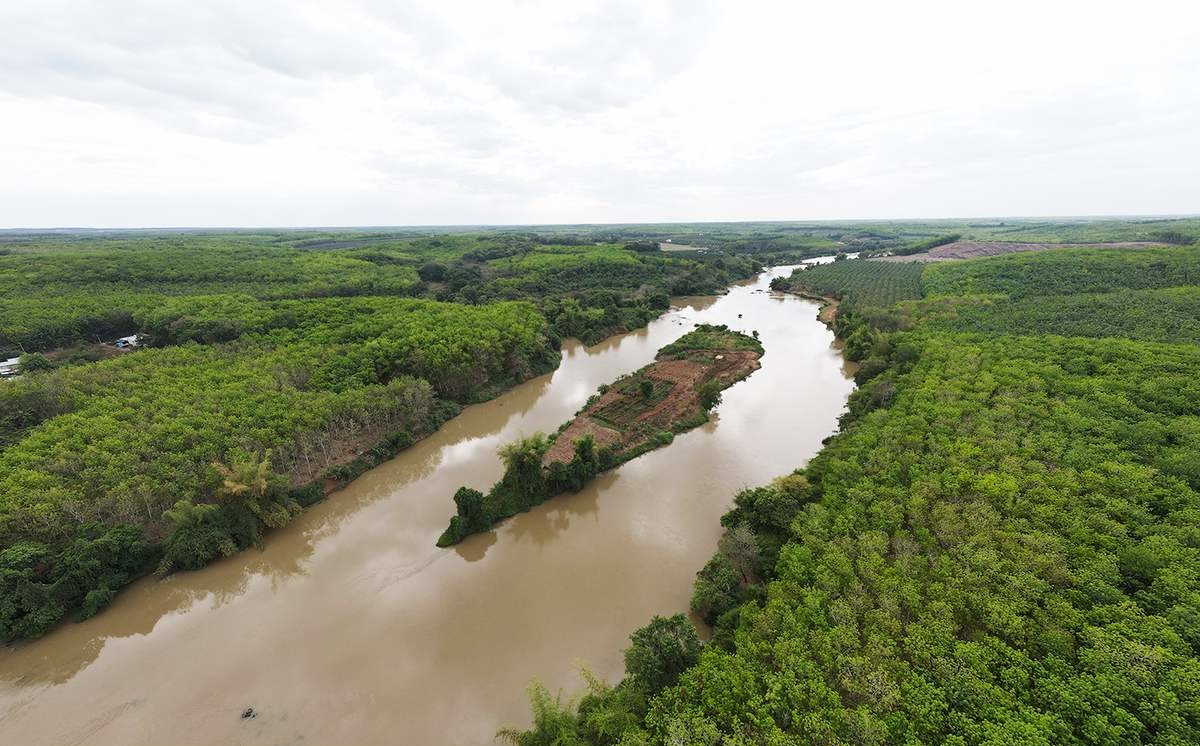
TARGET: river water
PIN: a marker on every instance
(351, 627)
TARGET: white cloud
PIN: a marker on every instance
(220, 112)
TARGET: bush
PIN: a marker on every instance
(661, 651)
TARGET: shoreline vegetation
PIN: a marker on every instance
(271, 370)
(998, 545)
(636, 413)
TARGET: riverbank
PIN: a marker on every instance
(438, 633)
(947, 539)
(827, 312)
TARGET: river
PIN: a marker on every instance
(349, 626)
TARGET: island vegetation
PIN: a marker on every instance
(635, 414)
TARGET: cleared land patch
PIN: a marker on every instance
(636, 413)
(979, 249)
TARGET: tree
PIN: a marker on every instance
(554, 722)
(710, 395)
(250, 484)
(201, 534)
(661, 651)
(34, 361)
(523, 470)
(716, 588)
(470, 508)
(741, 547)
(646, 387)
(432, 272)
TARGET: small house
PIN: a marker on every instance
(10, 367)
(125, 343)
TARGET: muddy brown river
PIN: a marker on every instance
(350, 627)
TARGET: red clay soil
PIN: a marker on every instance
(681, 403)
(828, 312)
(564, 446)
(977, 249)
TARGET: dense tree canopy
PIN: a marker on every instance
(309, 357)
(999, 547)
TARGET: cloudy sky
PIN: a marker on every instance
(124, 113)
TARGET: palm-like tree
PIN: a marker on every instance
(251, 483)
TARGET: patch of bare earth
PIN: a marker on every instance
(564, 447)
(978, 249)
(681, 403)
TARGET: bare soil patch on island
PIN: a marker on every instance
(634, 414)
(626, 416)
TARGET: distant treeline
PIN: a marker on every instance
(921, 247)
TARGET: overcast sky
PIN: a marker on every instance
(127, 113)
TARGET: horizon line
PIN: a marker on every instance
(428, 226)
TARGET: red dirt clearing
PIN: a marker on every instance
(681, 403)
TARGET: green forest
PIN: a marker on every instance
(270, 368)
(1000, 546)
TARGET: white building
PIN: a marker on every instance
(10, 367)
(124, 342)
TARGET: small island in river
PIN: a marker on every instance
(636, 413)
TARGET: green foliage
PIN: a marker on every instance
(1177, 238)
(528, 481)
(867, 282)
(34, 362)
(1000, 546)
(717, 589)
(716, 337)
(89, 289)
(244, 354)
(199, 534)
(923, 246)
(710, 395)
(1065, 271)
(127, 427)
(40, 583)
(522, 485)
(554, 723)
(1162, 315)
(661, 651)
(967, 552)
(525, 484)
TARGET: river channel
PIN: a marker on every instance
(351, 627)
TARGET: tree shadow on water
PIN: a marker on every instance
(474, 547)
(545, 522)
